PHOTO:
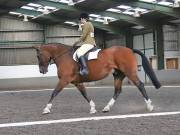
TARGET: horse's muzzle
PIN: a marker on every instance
(43, 70)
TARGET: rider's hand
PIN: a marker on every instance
(76, 43)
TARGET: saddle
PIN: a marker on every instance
(90, 55)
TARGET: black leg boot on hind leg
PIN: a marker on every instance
(84, 69)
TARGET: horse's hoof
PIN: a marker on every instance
(93, 111)
(150, 108)
(46, 111)
(106, 109)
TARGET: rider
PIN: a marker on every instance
(86, 41)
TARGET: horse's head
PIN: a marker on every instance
(44, 59)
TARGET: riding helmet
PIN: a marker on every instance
(84, 16)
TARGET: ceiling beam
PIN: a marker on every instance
(127, 18)
(98, 5)
(5, 7)
(130, 19)
(28, 12)
(98, 25)
(61, 20)
(174, 12)
(57, 5)
(119, 16)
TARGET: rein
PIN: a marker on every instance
(63, 53)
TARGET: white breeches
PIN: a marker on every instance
(83, 49)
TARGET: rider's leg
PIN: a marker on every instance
(84, 68)
(80, 53)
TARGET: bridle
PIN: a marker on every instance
(60, 55)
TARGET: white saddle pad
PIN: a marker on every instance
(91, 56)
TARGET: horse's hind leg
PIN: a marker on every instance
(61, 84)
(118, 78)
(140, 85)
(82, 89)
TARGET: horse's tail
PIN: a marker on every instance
(148, 69)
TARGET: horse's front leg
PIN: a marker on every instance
(61, 84)
(118, 78)
(82, 89)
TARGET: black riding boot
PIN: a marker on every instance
(84, 68)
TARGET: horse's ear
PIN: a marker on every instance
(36, 47)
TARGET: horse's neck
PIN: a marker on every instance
(59, 52)
(56, 50)
(61, 49)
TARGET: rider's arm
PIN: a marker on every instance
(84, 34)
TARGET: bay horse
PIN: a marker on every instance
(121, 60)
